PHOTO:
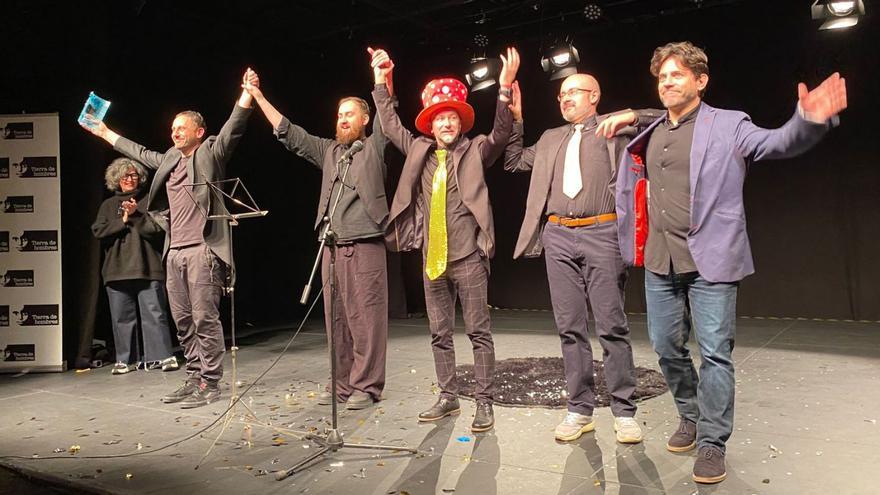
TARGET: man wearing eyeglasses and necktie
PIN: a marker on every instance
(570, 215)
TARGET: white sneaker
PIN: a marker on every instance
(121, 368)
(573, 426)
(169, 364)
(627, 430)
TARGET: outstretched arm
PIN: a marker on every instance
(100, 129)
(817, 111)
(293, 137)
(150, 159)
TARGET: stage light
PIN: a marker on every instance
(837, 14)
(560, 61)
(592, 12)
(481, 40)
(483, 73)
(841, 8)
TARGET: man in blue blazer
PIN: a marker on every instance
(681, 216)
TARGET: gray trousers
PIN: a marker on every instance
(194, 279)
(467, 279)
(130, 299)
(360, 315)
(584, 266)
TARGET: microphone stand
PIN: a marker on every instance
(331, 440)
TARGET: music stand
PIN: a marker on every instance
(331, 440)
(250, 210)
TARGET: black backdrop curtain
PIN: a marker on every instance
(813, 220)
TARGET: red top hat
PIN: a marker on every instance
(445, 94)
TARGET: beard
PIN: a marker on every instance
(350, 135)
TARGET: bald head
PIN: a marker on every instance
(578, 97)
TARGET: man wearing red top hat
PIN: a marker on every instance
(442, 206)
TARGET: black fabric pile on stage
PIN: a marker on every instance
(540, 382)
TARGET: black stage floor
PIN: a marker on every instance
(808, 403)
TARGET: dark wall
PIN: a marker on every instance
(813, 220)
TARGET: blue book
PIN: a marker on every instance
(96, 107)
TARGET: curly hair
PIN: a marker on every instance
(689, 56)
(118, 168)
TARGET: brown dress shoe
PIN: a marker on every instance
(484, 419)
(442, 408)
(359, 400)
(684, 438)
(709, 466)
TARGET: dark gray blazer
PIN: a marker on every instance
(208, 164)
(367, 172)
(540, 159)
(404, 231)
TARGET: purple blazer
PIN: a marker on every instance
(725, 143)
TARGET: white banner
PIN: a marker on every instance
(30, 243)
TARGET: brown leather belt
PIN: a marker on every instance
(582, 222)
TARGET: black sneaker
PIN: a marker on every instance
(709, 466)
(484, 419)
(204, 394)
(442, 408)
(188, 388)
(684, 438)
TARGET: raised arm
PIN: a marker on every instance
(293, 137)
(233, 129)
(392, 127)
(251, 85)
(817, 111)
(517, 158)
(500, 135)
(135, 151)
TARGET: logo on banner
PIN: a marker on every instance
(4, 167)
(18, 204)
(17, 278)
(4, 241)
(4, 316)
(18, 130)
(37, 166)
(36, 315)
(19, 352)
(33, 240)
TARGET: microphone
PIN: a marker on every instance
(355, 147)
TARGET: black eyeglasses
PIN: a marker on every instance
(130, 177)
(572, 92)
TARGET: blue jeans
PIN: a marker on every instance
(675, 302)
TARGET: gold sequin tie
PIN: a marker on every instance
(435, 265)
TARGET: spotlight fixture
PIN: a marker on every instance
(837, 14)
(481, 40)
(592, 12)
(483, 73)
(560, 61)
